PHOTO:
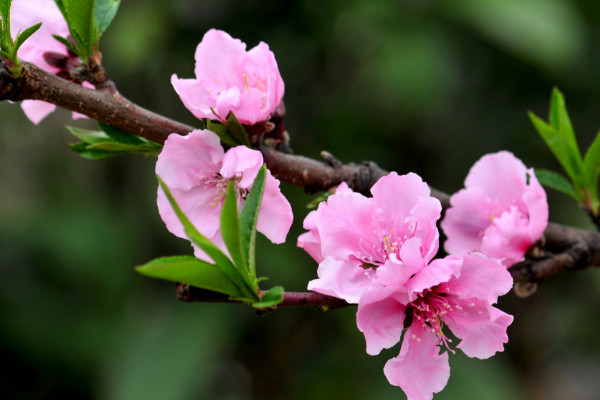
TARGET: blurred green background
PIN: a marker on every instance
(416, 85)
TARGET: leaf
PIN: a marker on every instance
(222, 261)
(66, 42)
(271, 298)
(592, 168)
(236, 130)
(192, 271)
(249, 218)
(570, 161)
(90, 137)
(559, 119)
(104, 13)
(222, 132)
(23, 36)
(82, 149)
(321, 197)
(230, 229)
(80, 18)
(119, 135)
(556, 182)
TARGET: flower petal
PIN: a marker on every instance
(481, 327)
(481, 277)
(275, 216)
(37, 110)
(419, 369)
(438, 271)
(342, 279)
(187, 161)
(242, 162)
(380, 317)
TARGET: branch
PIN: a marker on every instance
(565, 248)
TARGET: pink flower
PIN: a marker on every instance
(196, 169)
(457, 292)
(501, 212)
(351, 235)
(229, 78)
(24, 14)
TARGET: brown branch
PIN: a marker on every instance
(565, 248)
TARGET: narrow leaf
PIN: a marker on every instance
(570, 161)
(249, 218)
(104, 13)
(80, 18)
(230, 229)
(559, 119)
(271, 298)
(592, 167)
(192, 271)
(23, 36)
(236, 130)
(208, 247)
(90, 137)
(82, 149)
(556, 182)
(222, 132)
(119, 135)
(66, 42)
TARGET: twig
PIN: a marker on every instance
(565, 248)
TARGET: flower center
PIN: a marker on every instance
(218, 185)
(375, 250)
(429, 309)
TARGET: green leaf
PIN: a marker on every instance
(562, 150)
(192, 271)
(271, 298)
(119, 135)
(592, 168)
(230, 229)
(236, 130)
(23, 36)
(66, 42)
(82, 149)
(88, 136)
(222, 261)
(249, 218)
(559, 119)
(80, 18)
(104, 12)
(222, 132)
(321, 197)
(556, 182)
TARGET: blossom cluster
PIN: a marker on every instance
(378, 252)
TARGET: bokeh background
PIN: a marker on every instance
(416, 85)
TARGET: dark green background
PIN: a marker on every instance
(416, 85)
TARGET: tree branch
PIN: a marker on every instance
(564, 248)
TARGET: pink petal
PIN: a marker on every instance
(509, 177)
(419, 369)
(37, 110)
(424, 216)
(311, 241)
(481, 277)
(508, 237)
(345, 225)
(380, 318)
(395, 272)
(195, 97)
(398, 194)
(242, 162)
(275, 215)
(342, 279)
(537, 207)
(218, 57)
(186, 161)
(438, 271)
(481, 327)
(198, 204)
(467, 219)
